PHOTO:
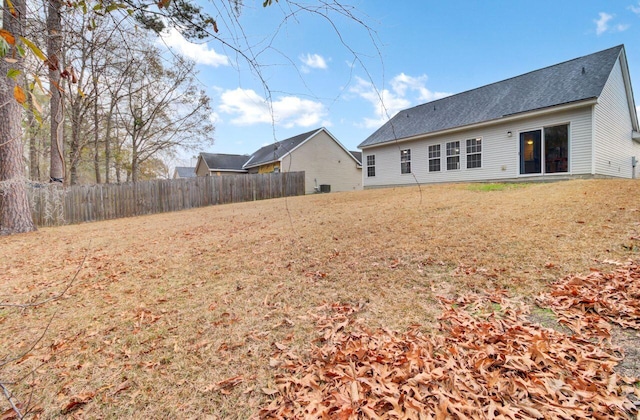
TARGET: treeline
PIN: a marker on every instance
(121, 104)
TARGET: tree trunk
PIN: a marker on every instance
(96, 132)
(54, 49)
(15, 214)
(32, 132)
(75, 151)
(107, 144)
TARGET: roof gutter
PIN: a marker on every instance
(503, 119)
(258, 164)
(635, 136)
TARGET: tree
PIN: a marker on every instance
(162, 107)
(54, 62)
(15, 214)
(144, 127)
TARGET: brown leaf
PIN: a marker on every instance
(123, 386)
(230, 382)
(76, 401)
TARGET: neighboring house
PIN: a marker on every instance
(357, 155)
(210, 164)
(573, 119)
(327, 164)
(184, 172)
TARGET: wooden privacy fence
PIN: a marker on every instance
(53, 205)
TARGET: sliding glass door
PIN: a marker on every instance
(545, 151)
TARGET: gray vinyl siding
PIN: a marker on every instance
(500, 153)
(613, 144)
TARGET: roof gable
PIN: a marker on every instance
(224, 162)
(357, 155)
(276, 151)
(568, 82)
(185, 171)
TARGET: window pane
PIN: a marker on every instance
(434, 151)
(474, 161)
(530, 152)
(556, 149)
(405, 161)
(453, 163)
(453, 148)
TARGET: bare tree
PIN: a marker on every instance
(163, 108)
(54, 61)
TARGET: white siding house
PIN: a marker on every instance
(574, 119)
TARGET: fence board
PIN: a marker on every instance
(53, 205)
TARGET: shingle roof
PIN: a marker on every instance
(224, 162)
(186, 171)
(571, 81)
(277, 150)
(357, 155)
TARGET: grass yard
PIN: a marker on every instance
(179, 315)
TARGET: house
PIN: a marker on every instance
(184, 172)
(210, 164)
(327, 164)
(573, 119)
(357, 155)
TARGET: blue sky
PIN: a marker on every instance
(423, 50)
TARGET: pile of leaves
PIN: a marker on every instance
(486, 361)
(589, 304)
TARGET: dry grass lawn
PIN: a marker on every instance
(167, 307)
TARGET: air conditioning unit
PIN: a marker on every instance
(325, 188)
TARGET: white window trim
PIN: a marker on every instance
(541, 128)
(406, 161)
(446, 157)
(481, 153)
(429, 159)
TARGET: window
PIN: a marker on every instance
(371, 165)
(405, 161)
(434, 158)
(453, 155)
(474, 153)
(556, 149)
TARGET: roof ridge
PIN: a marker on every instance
(513, 77)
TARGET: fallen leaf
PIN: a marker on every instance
(76, 401)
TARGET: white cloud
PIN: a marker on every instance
(200, 53)
(388, 102)
(635, 9)
(288, 111)
(313, 61)
(602, 24)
